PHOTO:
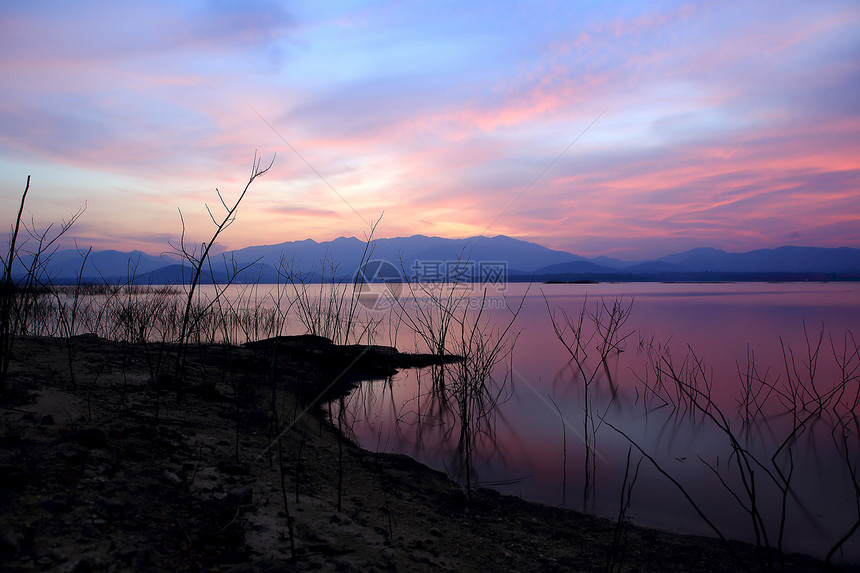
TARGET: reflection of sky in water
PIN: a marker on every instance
(719, 322)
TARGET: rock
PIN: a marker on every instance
(10, 440)
(207, 391)
(128, 554)
(56, 506)
(41, 552)
(344, 565)
(71, 453)
(240, 496)
(145, 432)
(44, 563)
(381, 531)
(170, 478)
(104, 462)
(142, 559)
(47, 420)
(90, 438)
(83, 566)
(232, 468)
(207, 479)
(114, 508)
(11, 476)
(10, 543)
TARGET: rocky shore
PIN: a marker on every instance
(102, 469)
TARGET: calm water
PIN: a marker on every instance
(526, 455)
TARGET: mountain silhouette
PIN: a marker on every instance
(419, 256)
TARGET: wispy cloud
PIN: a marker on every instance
(731, 124)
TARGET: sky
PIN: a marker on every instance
(627, 129)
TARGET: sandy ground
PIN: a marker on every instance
(101, 472)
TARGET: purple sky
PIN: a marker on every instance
(631, 129)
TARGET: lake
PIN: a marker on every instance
(549, 408)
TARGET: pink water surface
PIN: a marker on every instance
(539, 455)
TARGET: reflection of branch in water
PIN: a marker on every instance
(457, 413)
(852, 471)
(680, 488)
(599, 329)
(474, 388)
(623, 507)
(779, 422)
(563, 453)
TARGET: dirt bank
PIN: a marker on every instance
(103, 470)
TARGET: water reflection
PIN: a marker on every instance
(745, 352)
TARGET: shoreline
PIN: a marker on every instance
(93, 481)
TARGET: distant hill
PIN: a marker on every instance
(405, 251)
(610, 262)
(654, 267)
(418, 255)
(780, 260)
(177, 274)
(307, 256)
(109, 265)
(575, 267)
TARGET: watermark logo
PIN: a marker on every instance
(484, 273)
(382, 283)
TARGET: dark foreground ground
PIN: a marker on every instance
(90, 480)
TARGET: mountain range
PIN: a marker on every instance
(423, 257)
